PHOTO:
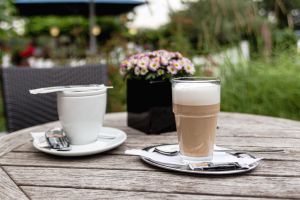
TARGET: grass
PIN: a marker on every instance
(266, 88)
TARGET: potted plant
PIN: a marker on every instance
(149, 93)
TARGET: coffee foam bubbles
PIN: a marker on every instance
(196, 94)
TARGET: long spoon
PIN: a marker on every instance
(176, 152)
(69, 88)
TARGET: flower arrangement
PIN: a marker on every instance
(160, 64)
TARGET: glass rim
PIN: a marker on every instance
(196, 79)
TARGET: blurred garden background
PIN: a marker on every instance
(252, 45)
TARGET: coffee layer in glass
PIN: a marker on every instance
(196, 104)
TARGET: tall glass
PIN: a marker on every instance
(196, 104)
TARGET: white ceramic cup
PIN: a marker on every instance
(81, 114)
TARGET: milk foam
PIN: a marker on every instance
(196, 94)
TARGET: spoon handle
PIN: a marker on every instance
(256, 150)
(176, 152)
(68, 88)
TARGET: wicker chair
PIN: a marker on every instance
(23, 109)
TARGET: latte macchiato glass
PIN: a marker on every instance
(196, 104)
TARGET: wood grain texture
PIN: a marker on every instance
(99, 161)
(8, 189)
(288, 144)
(9, 142)
(104, 175)
(50, 193)
(156, 181)
(234, 124)
(291, 154)
(228, 119)
(267, 168)
(236, 130)
(16, 139)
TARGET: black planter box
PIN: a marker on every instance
(149, 106)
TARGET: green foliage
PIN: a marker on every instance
(72, 41)
(116, 96)
(151, 39)
(263, 88)
(284, 39)
(180, 42)
(36, 26)
(6, 9)
(76, 26)
(6, 16)
(208, 25)
(281, 8)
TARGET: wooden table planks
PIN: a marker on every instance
(8, 189)
(27, 173)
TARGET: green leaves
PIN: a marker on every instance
(266, 88)
(208, 25)
(6, 18)
(151, 76)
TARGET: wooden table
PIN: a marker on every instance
(28, 174)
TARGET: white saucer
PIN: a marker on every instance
(101, 145)
(186, 169)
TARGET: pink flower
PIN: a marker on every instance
(190, 69)
(176, 64)
(188, 66)
(150, 54)
(172, 55)
(154, 64)
(137, 71)
(178, 55)
(137, 56)
(161, 63)
(130, 63)
(134, 61)
(124, 63)
(143, 62)
(160, 52)
(143, 71)
(172, 70)
(164, 60)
